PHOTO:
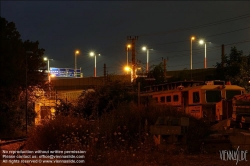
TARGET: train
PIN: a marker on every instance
(210, 100)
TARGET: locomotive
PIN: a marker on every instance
(210, 100)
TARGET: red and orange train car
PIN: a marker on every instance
(197, 98)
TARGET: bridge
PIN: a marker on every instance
(60, 84)
(91, 82)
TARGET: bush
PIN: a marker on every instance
(123, 132)
(62, 133)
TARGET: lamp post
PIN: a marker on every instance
(128, 69)
(76, 52)
(191, 58)
(128, 46)
(146, 49)
(47, 59)
(93, 54)
(26, 89)
(205, 58)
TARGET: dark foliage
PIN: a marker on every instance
(103, 99)
(234, 68)
(17, 59)
(63, 108)
(157, 73)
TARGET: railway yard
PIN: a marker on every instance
(235, 139)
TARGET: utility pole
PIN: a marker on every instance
(26, 93)
(222, 55)
(133, 39)
(165, 67)
(138, 93)
(107, 76)
(104, 72)
(26, 88)
(56, 99)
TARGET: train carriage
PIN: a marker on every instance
(197, 98)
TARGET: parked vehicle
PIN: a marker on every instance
(197, 98)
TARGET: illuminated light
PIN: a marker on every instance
(52, 75)
(45, 58)
(126, 68)
(128, 45)
(201, 41)
(76, 52)
(93, 54)
(191, 57)
(146, 49)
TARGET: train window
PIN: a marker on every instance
(168, 98)
(213, 95)
(196, 97)
(156, 99)
(162, 99)
(176, 97)
(231, 93)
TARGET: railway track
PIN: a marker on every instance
(8, 142)
(12, 145)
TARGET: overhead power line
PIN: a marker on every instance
(182, 41)
(190, 28)
(198, 26)
(228, 32)
(195, 51)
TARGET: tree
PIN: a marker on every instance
(236, 68)
(87, 103)
(103, 99)
(157, 73)
(16, 56)
(17, 59)
(154, 76)
(64, 108)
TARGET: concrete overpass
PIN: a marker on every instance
(91, 82)
(86, 82)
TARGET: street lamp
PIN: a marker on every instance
(76, 52)
(47, 59)
(93, 54)
(191, 60)
(128, 46)
(128, 69)
(205, 60)
(146, 49)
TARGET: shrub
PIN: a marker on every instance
(123, 132)
(62, 133)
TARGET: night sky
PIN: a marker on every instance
(62, 27)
